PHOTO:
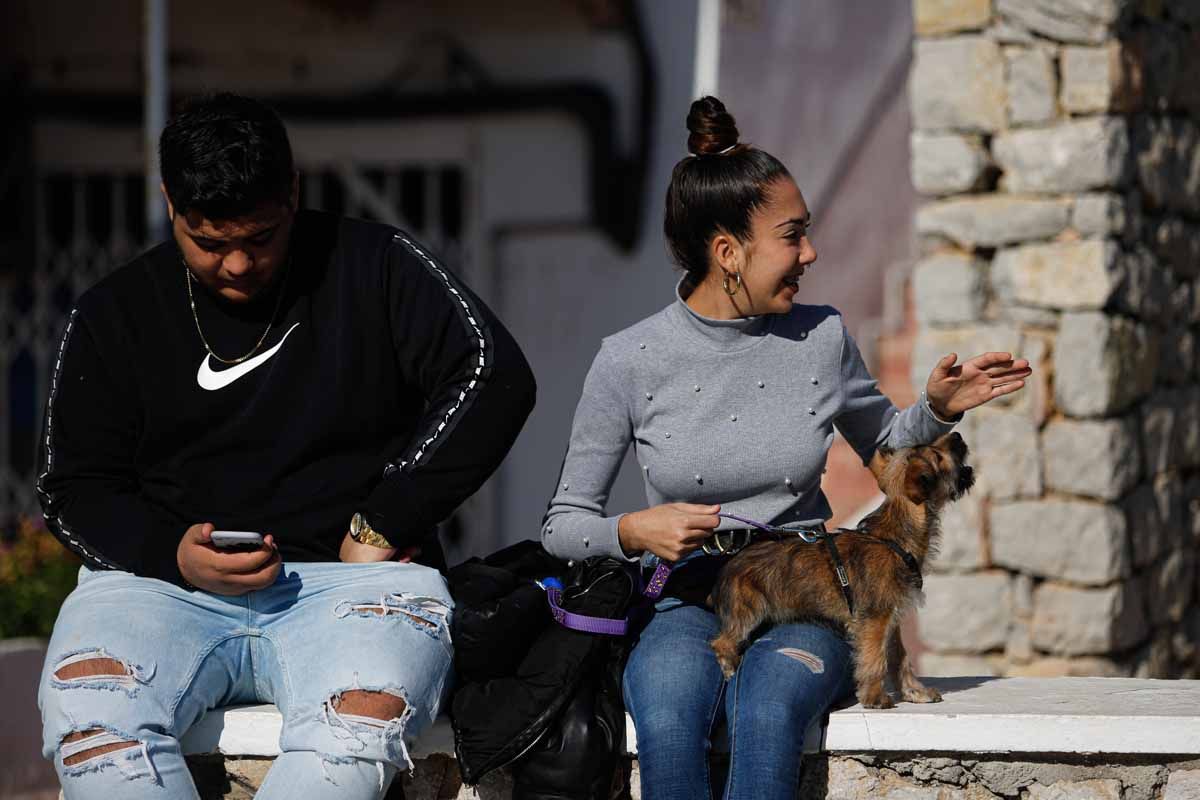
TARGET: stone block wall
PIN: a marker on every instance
(1056, 144)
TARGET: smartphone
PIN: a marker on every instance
(242, 540)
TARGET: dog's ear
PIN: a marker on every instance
(883, 454)
(919, 480)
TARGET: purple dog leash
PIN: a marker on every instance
(609, 627)
(651, 591)
(579, 622)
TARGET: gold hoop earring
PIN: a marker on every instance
(737, 284)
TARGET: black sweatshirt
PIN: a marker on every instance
(384, 386)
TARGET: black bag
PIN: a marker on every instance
(532, 693)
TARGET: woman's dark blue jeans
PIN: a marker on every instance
(676, 694)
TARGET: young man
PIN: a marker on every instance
(321, 381)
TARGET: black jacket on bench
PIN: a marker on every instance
(389, 388)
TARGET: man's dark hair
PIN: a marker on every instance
(225, 155)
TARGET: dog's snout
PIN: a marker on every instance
(966, 480)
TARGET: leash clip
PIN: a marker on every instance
(714, 545)
(809, 537)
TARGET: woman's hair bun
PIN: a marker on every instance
(711, 127)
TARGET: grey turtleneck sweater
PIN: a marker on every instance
(736, 412)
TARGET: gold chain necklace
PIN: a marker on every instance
(261, 339)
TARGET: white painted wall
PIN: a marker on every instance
(533, 170)
(561, 291)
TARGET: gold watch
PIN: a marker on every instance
(363, 533)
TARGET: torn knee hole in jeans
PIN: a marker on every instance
(425, 613)
(377, 706)
(96, 746)
(359, 714)
(96, 668)
(814, 663)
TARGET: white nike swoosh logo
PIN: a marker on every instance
(210, 380)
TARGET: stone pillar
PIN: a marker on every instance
(1057, 147)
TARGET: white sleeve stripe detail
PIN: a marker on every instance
(470, 315)
(53, 521)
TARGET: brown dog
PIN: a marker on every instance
(789, 580)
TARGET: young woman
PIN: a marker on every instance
(730, 397)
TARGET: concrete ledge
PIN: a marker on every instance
(1031, 715)
(253, 731)
(1017, 715)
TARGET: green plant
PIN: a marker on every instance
(36, 575)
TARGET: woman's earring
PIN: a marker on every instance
(732, 289)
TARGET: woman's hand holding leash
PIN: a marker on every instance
(954, 389)
(670, 531)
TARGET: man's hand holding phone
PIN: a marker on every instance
(231, 563)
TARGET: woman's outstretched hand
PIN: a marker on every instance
(670, 531)
(953, 389)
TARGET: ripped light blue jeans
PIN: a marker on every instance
(678, 697)
(323, 632)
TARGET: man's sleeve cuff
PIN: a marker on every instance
(396, 510)
(161, 558)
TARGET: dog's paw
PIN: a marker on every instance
(922, 694)
(728, 666)
(727, 653)
(876, 699)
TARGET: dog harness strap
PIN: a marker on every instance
(908, 560)
(905, 556)
(840, 569)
